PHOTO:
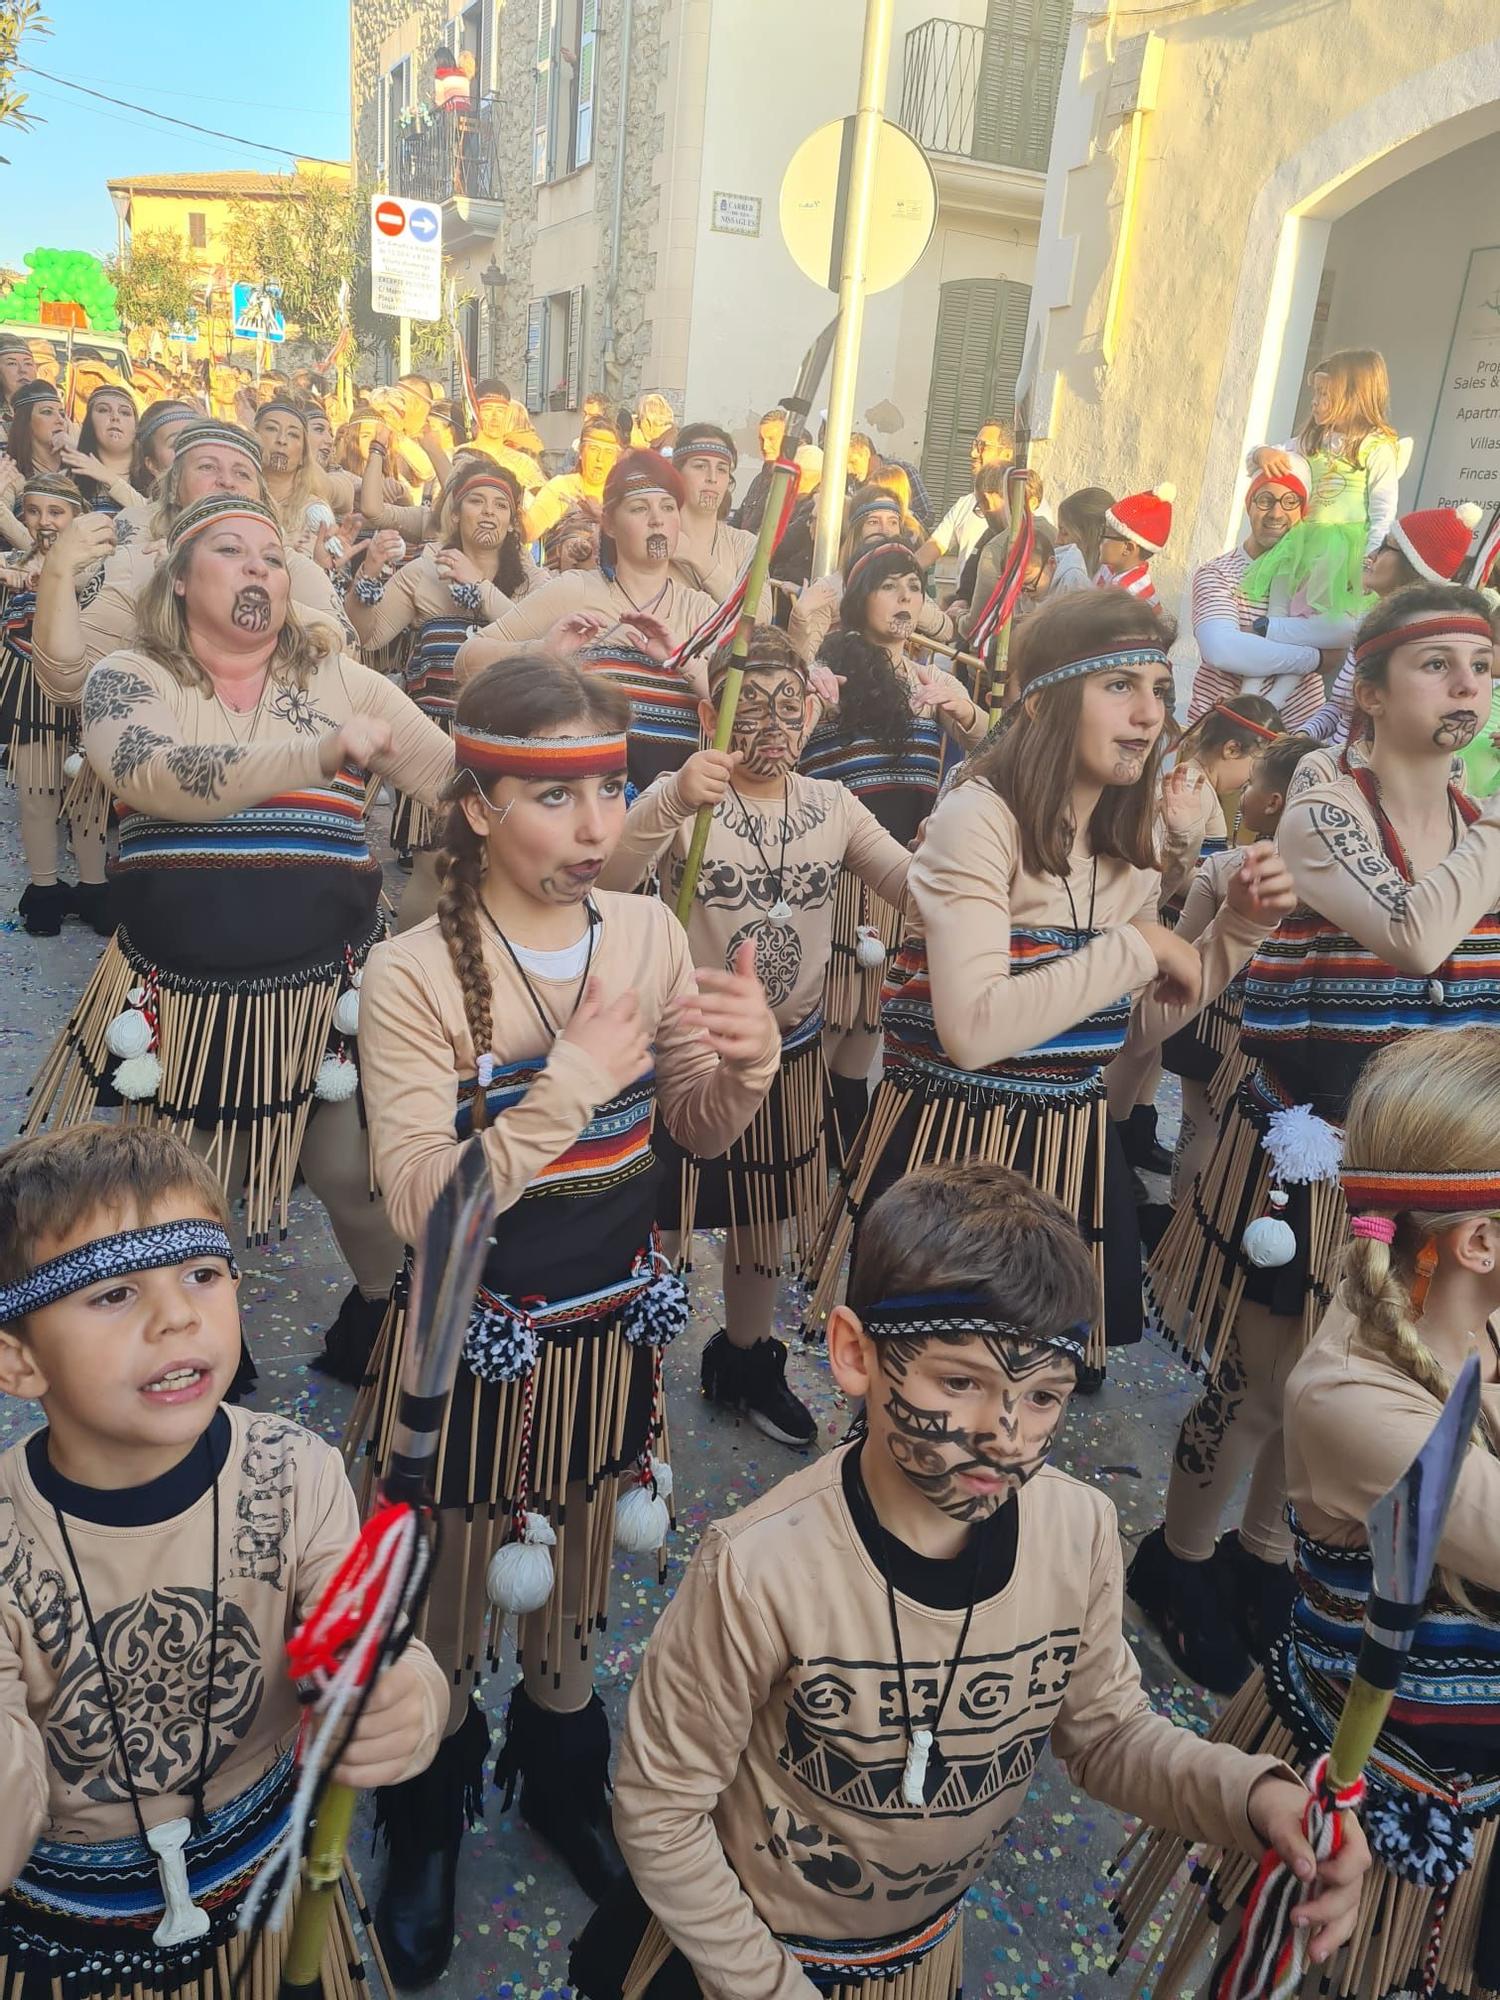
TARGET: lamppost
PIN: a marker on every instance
(492, 278)
(121, 199)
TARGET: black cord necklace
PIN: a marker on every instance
(550, 1027)
(925, 1765)
(1093, 892)
(183, 1919)
(780, 911)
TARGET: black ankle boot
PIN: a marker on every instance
(851, 1100)
(561, 1763)
(422, 1823)
(43, 907)
(93, 903)
(1193, 1612)
(752, 1382)
(350, 1341)
(1262, 1593)
(1142, 1147)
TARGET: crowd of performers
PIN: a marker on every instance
(903, 1054)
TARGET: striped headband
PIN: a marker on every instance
(111, 389)
(1098, 663)
(55, 487)
(37, 391)
(886, 504)
(1440, 625)
(1395, 1192)
(536, 758)
(149, 1249)
(209, 430)
(282, 409)
(914, 1315)
(867, 555)
(218, 507)
(1243, 722)
(709, 447)
(164, 413)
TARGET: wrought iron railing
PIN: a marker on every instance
(450, 153)
(987, 93)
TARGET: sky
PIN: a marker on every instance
(284, 79)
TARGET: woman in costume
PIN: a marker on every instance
(1421, 1290)
(553, 1019)
(872, 516)
(240, 748)
(104, 457)
(1035, 895)
(887, 723)
(1398, 880)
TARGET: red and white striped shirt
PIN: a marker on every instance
(1234, 660)
(1136, 581)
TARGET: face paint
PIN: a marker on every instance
(251, 610)
(770, 723)
(1454, 731)
(657, 549)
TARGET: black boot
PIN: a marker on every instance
(43, 907)
(561, 1763)
(423, 1823)
(752, 1382)
(851, 1100)
(1142, 1147)
(1193, 1613)
(350, 1341)
(1262, 1593)
(93, 903)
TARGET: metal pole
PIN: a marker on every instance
(874, 71)
(403, 363)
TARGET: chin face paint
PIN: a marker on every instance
(1455, 731)
(251, 610)
(657, 548)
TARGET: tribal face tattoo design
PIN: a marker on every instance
(770, 723)
(657, 548)
(251, 610)
(970, 1441)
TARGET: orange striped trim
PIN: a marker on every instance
(536, 758)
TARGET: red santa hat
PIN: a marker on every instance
(1436, 542)
(1145, 518)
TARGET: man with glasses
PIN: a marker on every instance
(1279, 661)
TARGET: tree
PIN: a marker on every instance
(156, 284)
(309, 239)
(16, 18)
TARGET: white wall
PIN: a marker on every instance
(1397, 264)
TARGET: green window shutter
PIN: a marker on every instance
(536, 340)
(1020, 71)
(981, 338)
(575, 347)
(541, 115)
(588, 35)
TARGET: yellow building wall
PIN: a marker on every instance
(1268, 118)
(167, 214)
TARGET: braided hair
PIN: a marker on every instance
(522, 697)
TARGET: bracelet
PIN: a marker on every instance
(466, 596)
(377, 446)
(368, 589)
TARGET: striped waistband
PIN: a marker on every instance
(879, 1958)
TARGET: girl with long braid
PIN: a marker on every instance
(1420, 1291)
(555, 1019)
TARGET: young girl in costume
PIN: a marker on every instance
(158, 1547)
(780, 847)
(1398, 876)
(1420, 1292)
(886, 726)
(1356, 460)
(1034, 931)
(555, 1019)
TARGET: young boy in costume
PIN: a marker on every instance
(1135, 529)
(156, 1549)
(842, 1707)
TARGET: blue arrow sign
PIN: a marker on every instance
(423, 224)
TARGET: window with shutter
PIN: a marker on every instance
(575, 347)
(546, 70)
(1020, 72)
(536, 341)
(583, 129)
(981, 337)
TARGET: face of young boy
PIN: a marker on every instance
(770, 723)
(131, 1368)
(967, 1421)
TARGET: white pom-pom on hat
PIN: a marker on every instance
(1470, 513)
(1303, 1146)
(521, 1575)
(1166, 491)
(128, 1034)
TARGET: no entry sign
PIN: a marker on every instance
(406, 258)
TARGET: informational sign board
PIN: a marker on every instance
(257, 312)
(1463, 450)
(735, 214)
(406, 258)
(814, 191)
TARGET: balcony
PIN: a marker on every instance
(981, 105)
(452, 158)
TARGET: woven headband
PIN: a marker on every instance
(645, 482)
(913, 1315)
(886, 504)
(55, 487)
(710, 447)
(150, 1249)
(218, 507)
(167, 413)
(868, 555)
(1440, 625)
(465, 483)
(536, 758)
(206, 430)
(111, 389)
(37, 391)
(1098, 663)
(281, 409)
(1243, 722)
(1432, 1194)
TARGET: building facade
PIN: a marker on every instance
(1236, 189)
(618, 170)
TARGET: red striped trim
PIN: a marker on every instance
(1395, 1192)
(536, 758)
(1442, 625)
(1243, 722)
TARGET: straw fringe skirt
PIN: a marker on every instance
(29, 718)
(937, 1976)
(1398, 1926)
(851, 992)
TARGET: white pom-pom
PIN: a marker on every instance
(337, 1080)
(868, 949)
(661, 1472)
(1303, 1146)
(72, 765)
(346, 1013)
(1471, 514)
(1166, 491)
(138, 1079)
(136, 997)
(128, 1034)
(1269, 1242)
(520, 1578)
(319, 514)
(641, 1521)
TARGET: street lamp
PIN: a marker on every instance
(492, 279)
(121, 199)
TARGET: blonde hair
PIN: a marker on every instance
(1361, 392)
(896, 481)
(162, 634)
(169, 506)
(1425, 1104)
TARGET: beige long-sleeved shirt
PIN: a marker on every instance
(969, 889)
(417, 592)
(288, 1517)
(415, 1045)
(715, 567)
(1330, 839)
(520, 629)
(744, 876)
(1180, 847)
(758, 1782)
